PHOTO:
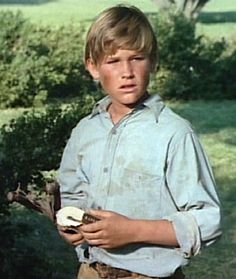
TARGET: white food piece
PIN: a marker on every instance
(69, 216)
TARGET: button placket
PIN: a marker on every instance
(109, 157)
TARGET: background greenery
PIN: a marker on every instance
(39, 64)
(34, 141)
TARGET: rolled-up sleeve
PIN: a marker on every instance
(192, 186)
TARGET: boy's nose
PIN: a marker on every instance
(127, 70)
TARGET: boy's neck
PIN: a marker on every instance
(118, 111)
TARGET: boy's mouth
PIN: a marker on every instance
(128, 87)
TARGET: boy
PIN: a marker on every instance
(137, 163)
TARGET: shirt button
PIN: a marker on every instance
(105, 170)
(114, 132)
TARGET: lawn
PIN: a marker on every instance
(218, 18)
(64, 11)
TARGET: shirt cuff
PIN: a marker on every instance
(187, 233)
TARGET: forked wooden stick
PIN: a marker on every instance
(47, 205)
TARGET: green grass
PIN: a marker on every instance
(64, 11)
(217, 20)
(215, 123)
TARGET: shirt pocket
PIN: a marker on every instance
(143, 193)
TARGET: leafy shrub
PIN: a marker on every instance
(40, 63)
(12, 28)
(226, 76)
(191, 67)
(34, 142)
(36, 251)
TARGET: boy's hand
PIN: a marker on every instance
(111, 231)
(72, 238)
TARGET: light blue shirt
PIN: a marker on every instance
(151, 166)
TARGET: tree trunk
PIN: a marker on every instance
(190, 8)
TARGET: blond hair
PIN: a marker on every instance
(120, 27)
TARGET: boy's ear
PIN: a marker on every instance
(92, 68)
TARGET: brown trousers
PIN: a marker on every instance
(88, 272)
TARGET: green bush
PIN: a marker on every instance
(36, 251)
(226, 76)
(34, 142)
(191, 67)
(40, 63)
(13, 28)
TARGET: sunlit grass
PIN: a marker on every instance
(65, 11)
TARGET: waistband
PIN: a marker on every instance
(108, 272)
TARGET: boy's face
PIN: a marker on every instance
(124, 76)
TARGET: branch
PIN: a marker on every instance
(48, 205)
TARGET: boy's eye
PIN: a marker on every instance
(139, 58)
(112, 61)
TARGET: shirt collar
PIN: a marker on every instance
(154, 102)
(101, 106)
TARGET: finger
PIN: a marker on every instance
(96, 242)
(71, 237)
(78, 242)
(93, 236)
(100, 243)
(101, 214)
(91, 228)
(75, 242)
(71, 230)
